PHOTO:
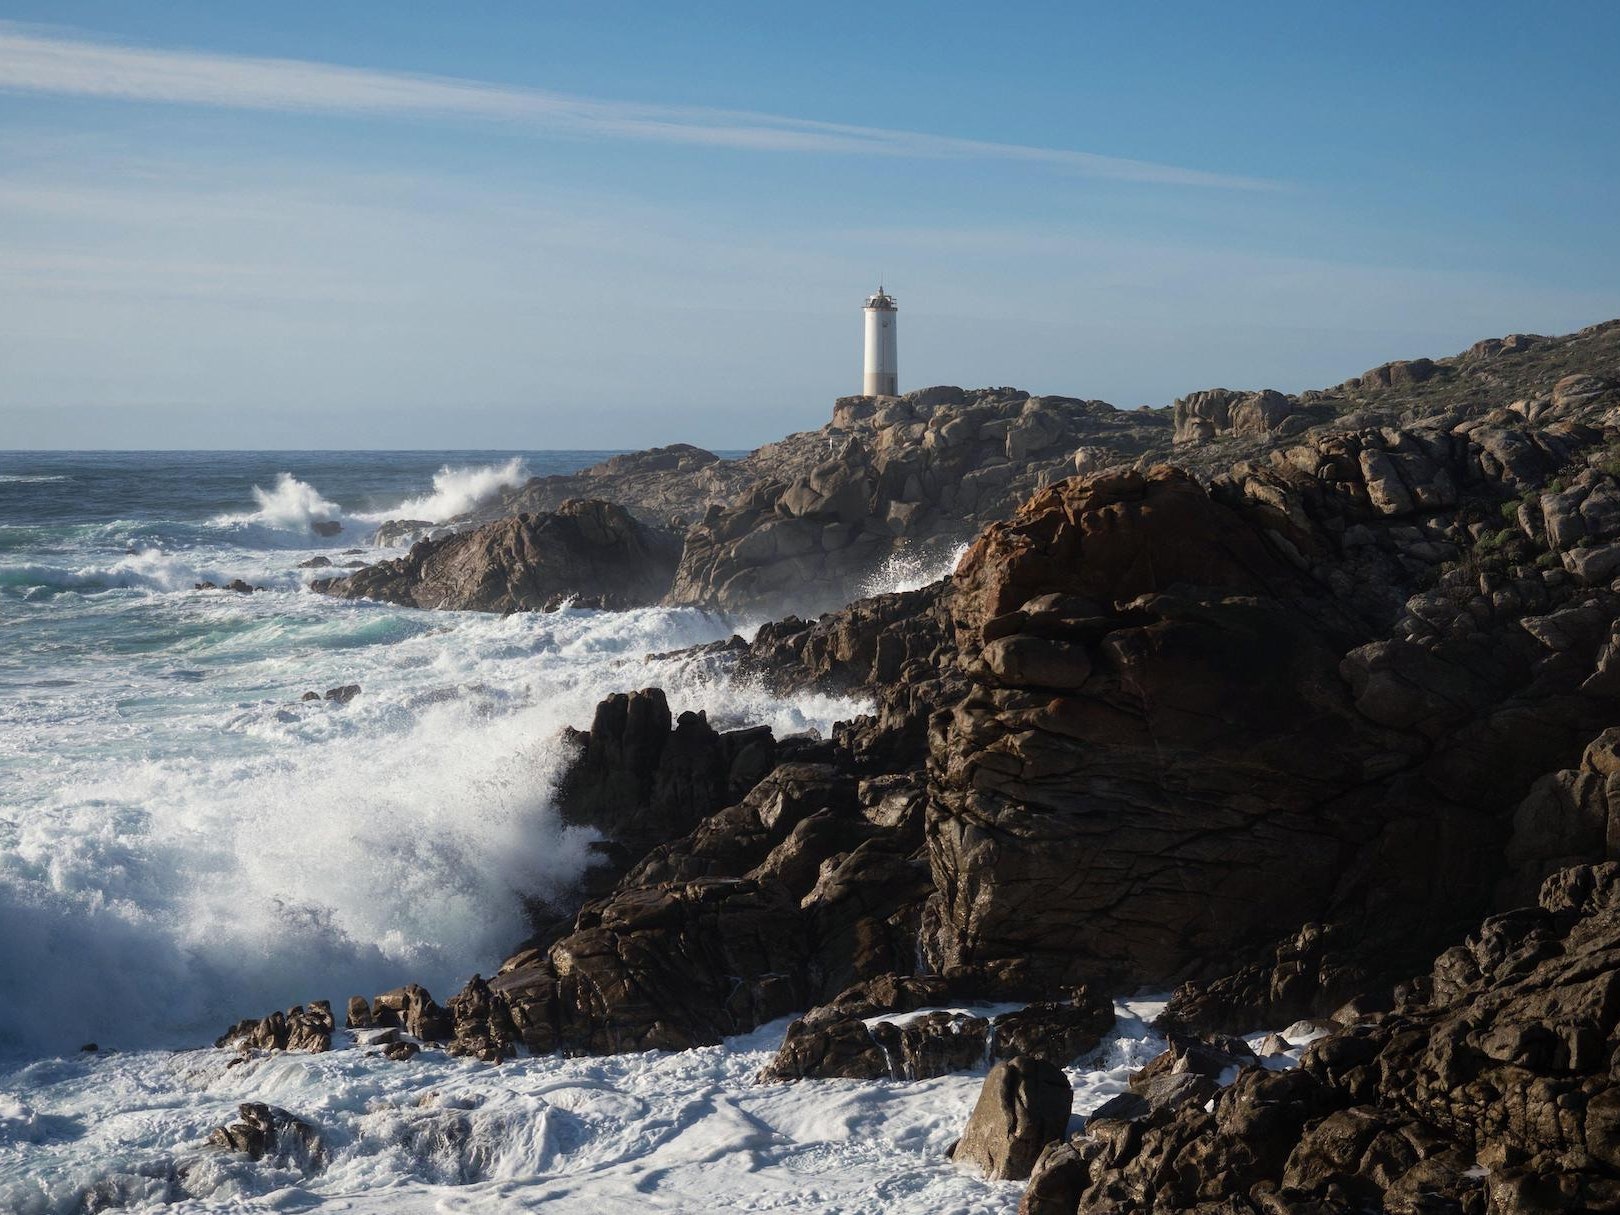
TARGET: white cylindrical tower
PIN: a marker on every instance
(882, 378)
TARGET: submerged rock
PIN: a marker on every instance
(268, 1131)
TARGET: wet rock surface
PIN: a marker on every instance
(851, 1038)
(270, 1132)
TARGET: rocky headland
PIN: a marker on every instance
(1303, 706)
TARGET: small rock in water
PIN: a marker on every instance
(89, 1048)
(310, 696)
(240, 587)
(326, 527)
(315, 563)
(400, 1051)
(268, 1130)
(343, 695)
(204, 586)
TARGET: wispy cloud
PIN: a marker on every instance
(37, 63)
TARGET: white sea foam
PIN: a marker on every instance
(458, 490)
(30, 478)
(688, 1131)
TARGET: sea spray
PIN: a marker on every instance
(253, 850)
(458, 490)
(288, 505)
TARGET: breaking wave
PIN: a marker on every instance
(288, 505)
(458, 490)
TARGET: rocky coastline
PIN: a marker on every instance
(1306, 707)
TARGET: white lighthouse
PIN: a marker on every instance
(882, 378)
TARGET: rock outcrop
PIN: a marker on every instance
(1491, 1087)
(1217, 412)
(300, 1028)
(588, 552)
(641, 776)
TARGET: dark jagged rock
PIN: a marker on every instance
(910, 476)
(590, 552)
(642, 777)
(1493, 1089)
(835, 1040)
(1177, 696)
(270, 1132)
(414, 1010)
(302, 1028)
(483, 1025)
(342, 695)
(1023, 1106)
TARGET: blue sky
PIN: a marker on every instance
(605, 225)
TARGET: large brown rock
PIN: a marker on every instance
(1023, 1106)
(589, 551)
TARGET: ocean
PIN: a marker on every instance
(185, 841)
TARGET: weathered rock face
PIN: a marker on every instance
(1492, 1087)
(301, 1028)
(662, 486)
(1568, 816)
(1176, 696)
(590, 551)
(1124, 731)
(1214, 412)
(807, 885)
(1023, 1106)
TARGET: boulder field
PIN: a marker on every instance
(1324, 732)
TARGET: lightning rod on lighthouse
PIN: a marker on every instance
(882, 378)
